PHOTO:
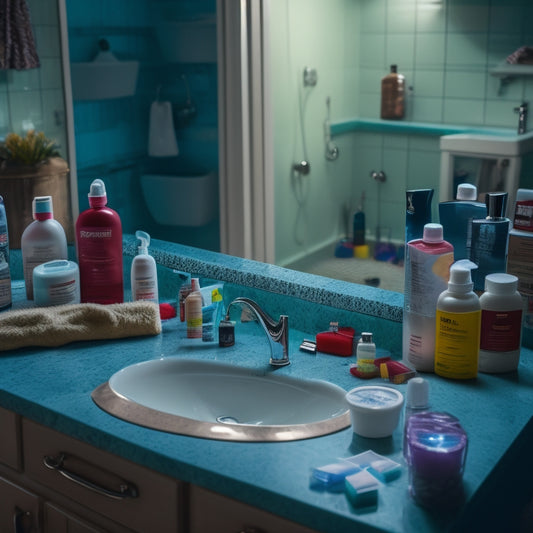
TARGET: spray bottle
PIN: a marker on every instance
(144, 272)
(99, 248)
(458, 325)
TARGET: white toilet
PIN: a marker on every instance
(175, 200)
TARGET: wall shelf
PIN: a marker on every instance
(507, 70)
(411, 128)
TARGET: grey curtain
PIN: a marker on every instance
(17, 44)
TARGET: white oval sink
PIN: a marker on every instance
(219, 401)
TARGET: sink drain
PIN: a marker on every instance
(227, 420)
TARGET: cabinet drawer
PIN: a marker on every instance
(214, 513)
(150, 502)
(10, 441)
(19, 508)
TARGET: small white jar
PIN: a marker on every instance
(375, 410)
(56, 283)
(501, 324)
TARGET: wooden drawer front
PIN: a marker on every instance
(154, 506)
(19, 509)
(10, 438)
(213, 513)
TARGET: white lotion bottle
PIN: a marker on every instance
(43, 240)
(501, 324)
(144, 272)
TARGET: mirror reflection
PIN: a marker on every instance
(145, 87)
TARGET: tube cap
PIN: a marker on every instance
(466, 191)
(417, 395)
(432, 233)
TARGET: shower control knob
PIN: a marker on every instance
(302, 167)
(378, 176)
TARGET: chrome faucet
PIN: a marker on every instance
(278, 332)
(522, 117)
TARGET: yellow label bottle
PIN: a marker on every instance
(458, 326)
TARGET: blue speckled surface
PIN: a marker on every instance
(53, 387)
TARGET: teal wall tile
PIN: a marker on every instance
(466, 49)
(464, 84)
(430, 16)
(466, 111)
(401, 16)
(430, 50)
(468, 17)
(429, 83)
(400, 50)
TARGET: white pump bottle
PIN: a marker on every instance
(144, 272)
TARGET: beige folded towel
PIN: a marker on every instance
(61, 324)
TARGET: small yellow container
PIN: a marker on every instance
(362, 251)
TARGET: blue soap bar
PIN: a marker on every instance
(335, 472)
(362, 489)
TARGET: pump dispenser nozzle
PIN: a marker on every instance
(460, 276)
(97, 194)
(145, 241)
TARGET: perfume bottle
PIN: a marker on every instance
(417, 213)
(490, 240)
(456, 218)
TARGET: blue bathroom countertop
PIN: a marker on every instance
(53, 387)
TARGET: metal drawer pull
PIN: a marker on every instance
(126, 490)
(18, 518)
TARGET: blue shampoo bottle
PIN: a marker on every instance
(490, 239)
(456, 218)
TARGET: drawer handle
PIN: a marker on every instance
(126, 490)
(18, 518)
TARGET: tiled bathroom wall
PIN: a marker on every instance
(33, 99)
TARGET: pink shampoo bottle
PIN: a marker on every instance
(427, 270)
(99, 249)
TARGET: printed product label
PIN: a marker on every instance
(500, 330)
(64, 293)
(426, 277)
(523, 216)
(457, 344)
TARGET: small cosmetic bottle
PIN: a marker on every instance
(490, 240)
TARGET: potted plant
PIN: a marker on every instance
(31, 166)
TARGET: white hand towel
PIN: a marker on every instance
(162, 137)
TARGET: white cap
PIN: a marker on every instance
(501, 283)
(417, 394)
(432, 233)
(97, 189)
(466, 191)
(460, 277)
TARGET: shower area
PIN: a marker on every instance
(144, 88)
(447, 51)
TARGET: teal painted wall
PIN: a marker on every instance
(444, 48)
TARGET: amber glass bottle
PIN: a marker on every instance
(393, 95)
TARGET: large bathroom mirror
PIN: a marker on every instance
(320, 64)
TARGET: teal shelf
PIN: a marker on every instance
(408, 128)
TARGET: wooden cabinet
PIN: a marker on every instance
(213, 513)
(53, 483)
(19, 508)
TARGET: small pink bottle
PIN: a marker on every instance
(99, 249)
(427, 270)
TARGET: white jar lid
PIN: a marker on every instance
(501, 283)
(374, 398)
